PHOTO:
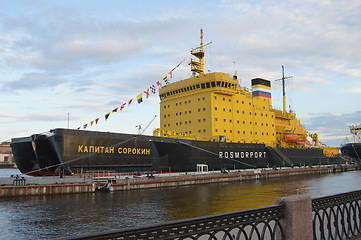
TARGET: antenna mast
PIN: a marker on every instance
(284, 90)
(198, 66)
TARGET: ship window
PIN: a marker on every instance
(237, 111)
(224, 109)
(176, 104)
(199, 131)
(216, 130)
(238, 132)
(165, 106)
(230, 131)
(197, 85)
(229, 100)
(199, 109)
(189, 101)
(165, 116)
(237, 121)
(176, 124)
(199, 120)
(168, 115)
(204, 109)
(224, 120)
(244, 122)
(190, 111)
(208, 85)
(199, 99)
(230, 120)
(230, 110)
(216, 119)
(190, 122)
(218, 83)
(187, 88)
(255, 123)
(204, 98)
(244, 132)
(168, 106)
(180, 123)
(203, 85)
(185, 112)
(182, 89)
(190, 132)
(185, 102)
(242, 102)
(215, 108)
(176, 114)
(165, 125)
(213, 84)
(204, 130)
(180, 113)
(224, 99)
(225, 130)
(242, 112)
(237, 101)
(222, 84)
(215, 97)
(167, 93)
(204, 119)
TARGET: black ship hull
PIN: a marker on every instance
(352, 150)
(76, 150)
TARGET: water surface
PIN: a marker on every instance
(66, 215)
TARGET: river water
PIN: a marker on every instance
(67, 215)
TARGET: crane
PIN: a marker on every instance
(140, 130)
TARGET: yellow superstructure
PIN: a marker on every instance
(213, 107)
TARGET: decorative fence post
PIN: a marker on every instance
(297, 220)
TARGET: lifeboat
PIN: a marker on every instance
(291, 138)
(304, 143)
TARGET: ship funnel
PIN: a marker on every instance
(261, 88)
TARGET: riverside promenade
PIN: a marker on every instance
(87, 183)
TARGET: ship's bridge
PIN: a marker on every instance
(217, 82)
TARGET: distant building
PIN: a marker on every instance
(6, 155)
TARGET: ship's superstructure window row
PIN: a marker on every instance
(194, 87)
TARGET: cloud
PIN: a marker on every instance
(33, 81)
(332, 126)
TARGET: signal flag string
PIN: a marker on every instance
(152, 89)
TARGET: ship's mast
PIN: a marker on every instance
(198, 66)
(284, 90)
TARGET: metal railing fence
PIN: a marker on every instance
(337, 216)
(259, 223)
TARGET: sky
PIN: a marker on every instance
(67, 63)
